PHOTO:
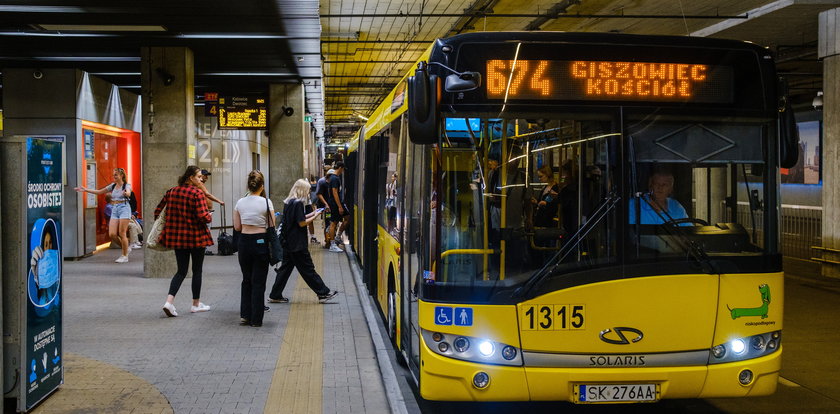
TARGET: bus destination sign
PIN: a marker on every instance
(609, 81)
(243, 112)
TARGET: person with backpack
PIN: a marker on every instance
(252, 216)
(296, 249)
(121, 201)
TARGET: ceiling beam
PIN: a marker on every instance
(465, 23)
(370, 61)
(363, 76)
(555, 10)
(483, 14)
(379, 41)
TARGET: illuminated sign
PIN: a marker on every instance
(243, 112)
(609, 81)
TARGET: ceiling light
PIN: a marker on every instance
(246, 74)
(238, 36)
(102, 27)
(55, 34)
(77, 58)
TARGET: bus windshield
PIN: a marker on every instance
(564, 200)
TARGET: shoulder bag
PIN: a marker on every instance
(275, 251)
(156, 232)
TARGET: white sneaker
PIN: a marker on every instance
(136, 245)
(169, 310)
(335, 249)
(200, 308)
(121, 259)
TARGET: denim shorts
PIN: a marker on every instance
(121, 211)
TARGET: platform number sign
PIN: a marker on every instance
(553, 317)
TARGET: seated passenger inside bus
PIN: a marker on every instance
(657, 206)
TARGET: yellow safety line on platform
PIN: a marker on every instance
(297, 384)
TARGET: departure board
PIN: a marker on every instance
(243, 112)
(609, 81)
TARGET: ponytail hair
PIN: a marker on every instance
(256, 181)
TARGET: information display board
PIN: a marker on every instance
(41, 360)
(243, 112)
(608, 81)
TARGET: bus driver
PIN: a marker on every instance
(657, 206)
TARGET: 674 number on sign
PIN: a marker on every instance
(553, 317)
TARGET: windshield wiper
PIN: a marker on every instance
(554, 263)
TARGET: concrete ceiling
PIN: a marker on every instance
(349, 53)
(238, 46)
(368, 45)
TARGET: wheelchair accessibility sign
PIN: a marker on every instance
(445, 315)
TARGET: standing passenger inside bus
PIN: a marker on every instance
(657, 206)
(569, 197)
(493, 197)
(546, 214)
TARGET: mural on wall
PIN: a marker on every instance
(807, 169)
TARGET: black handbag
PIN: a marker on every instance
(275, 251)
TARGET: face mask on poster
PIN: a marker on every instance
(48, 269)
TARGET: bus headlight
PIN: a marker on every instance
(738, 346)
(486, 348)
(472, 349)
(739, 349)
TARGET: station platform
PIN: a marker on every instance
(123, 354)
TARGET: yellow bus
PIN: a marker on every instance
(578, 217)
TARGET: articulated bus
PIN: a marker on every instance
(578, 217)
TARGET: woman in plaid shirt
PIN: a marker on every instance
(186, 232)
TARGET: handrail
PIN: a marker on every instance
(466, 251)
(826, 249)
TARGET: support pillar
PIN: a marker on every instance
(286, 141)
(168, 135)
(829, 52)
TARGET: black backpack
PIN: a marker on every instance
(132, 200)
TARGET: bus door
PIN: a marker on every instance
(415, 252)
(368, 203)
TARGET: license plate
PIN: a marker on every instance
(605, 393)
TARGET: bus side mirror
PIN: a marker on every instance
(788, 132)
(423, 106)
(464, 82)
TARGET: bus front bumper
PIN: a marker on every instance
(447, 379)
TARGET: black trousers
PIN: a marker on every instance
(253, 260)
(182, 257)
(303, 262)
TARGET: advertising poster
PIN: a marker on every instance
(42, 363)
(807, 169)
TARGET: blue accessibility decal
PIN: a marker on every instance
(463, 316)
(443, 315)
